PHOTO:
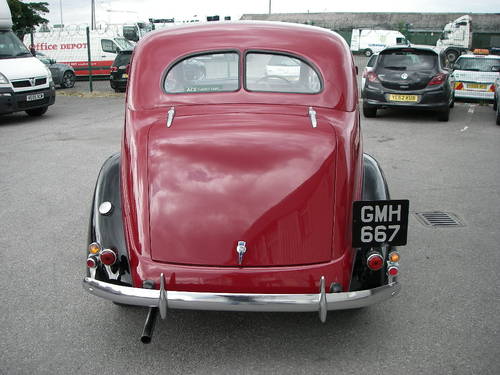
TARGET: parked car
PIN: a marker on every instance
(240, 192)
(409, 77)
(119, 71)
(62, 74)
(368, 68)
(496, 100)
(475, 76)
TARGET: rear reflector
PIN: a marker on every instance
(108, 257)
(91, 262)
(374, 261)
(393, 271)
(459, 86)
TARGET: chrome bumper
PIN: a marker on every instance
(163, 299)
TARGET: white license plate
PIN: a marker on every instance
(30, 98)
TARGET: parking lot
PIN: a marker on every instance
(445, 321)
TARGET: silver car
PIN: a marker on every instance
(62, 74)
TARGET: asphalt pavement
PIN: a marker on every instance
(445, 321)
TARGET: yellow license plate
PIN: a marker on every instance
(403, 98)
(124, 75)
(479, 86)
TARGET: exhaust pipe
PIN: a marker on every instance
(149, 325)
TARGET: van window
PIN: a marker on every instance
(211, 72)
(11, 46)
(109, 46)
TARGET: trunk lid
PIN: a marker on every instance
(266, 179)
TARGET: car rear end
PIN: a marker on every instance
(119, 71)
(475, 77)
(408, 77)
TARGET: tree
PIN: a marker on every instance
(25, 16)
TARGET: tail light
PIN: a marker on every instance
(127, 69)
(492, 88)
(438, 79)
(91, 261)
(108, 257)
(372, 77)
(114, 69)
(393, 270)
(374, 261)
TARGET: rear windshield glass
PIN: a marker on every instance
(408, 60)
(478, 65)
(212, 72)
(280, 73)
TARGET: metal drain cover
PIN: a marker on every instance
(439, 219)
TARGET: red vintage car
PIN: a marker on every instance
(242, 184)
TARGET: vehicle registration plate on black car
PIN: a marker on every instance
(32, 97)
(403, 98)
(377, 223)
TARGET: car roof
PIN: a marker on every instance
(479, 57)
(420, 47)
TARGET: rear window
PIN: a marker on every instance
(478, 64)
(409, 60)
(211, 72)
(372, 61)
(280, 73)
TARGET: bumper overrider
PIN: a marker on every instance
(165, 299)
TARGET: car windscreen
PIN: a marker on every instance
(124, 44)
(477, 64)
(280, 73)
(11, 46)
(407, 60)
(210, 72)
(122, 59)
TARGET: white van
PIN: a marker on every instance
(25, 82)
(69, 46)
(371, 41)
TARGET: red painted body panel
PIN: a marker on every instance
(241, 166)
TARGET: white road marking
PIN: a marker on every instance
(464, 129)
(471, 108)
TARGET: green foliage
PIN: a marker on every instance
(25, 16)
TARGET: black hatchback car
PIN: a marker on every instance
(119, 73)
(409, 77)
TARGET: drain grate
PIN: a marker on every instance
(439, 219)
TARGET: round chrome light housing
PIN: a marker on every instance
(107, 257)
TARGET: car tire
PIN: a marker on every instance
(498, 115)
(452, 55)
(452, 104)
(68, 80)
(368, 52)
(37, 111)
(444, 114)
(495, 104)
(369, 111)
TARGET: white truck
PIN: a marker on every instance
(370, 41)
(69, 46)
(25, 82)
(456, 38)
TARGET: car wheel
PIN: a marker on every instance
(452, 104)
(495, 104)
(37, 111)
(444, 114)
(498, 115)
(451, 55)
(369, 111)
(368, 52)
(68, 80)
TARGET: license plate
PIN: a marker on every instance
(30, 98)
(403, 98)
(124, 75)
(378, 223)
(479, 86)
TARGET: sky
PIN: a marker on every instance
(121, 11)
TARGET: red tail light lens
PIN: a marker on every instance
(108, 257)
(393, 271)
(91, 262)
(114, 68)
(127, 69)
(492, 88)
(438, 79)
(374, 261)
(372, 77)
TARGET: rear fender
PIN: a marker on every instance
(107, 229)
(374, 183)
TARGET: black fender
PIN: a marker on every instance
(107, 229)
(374, 183)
